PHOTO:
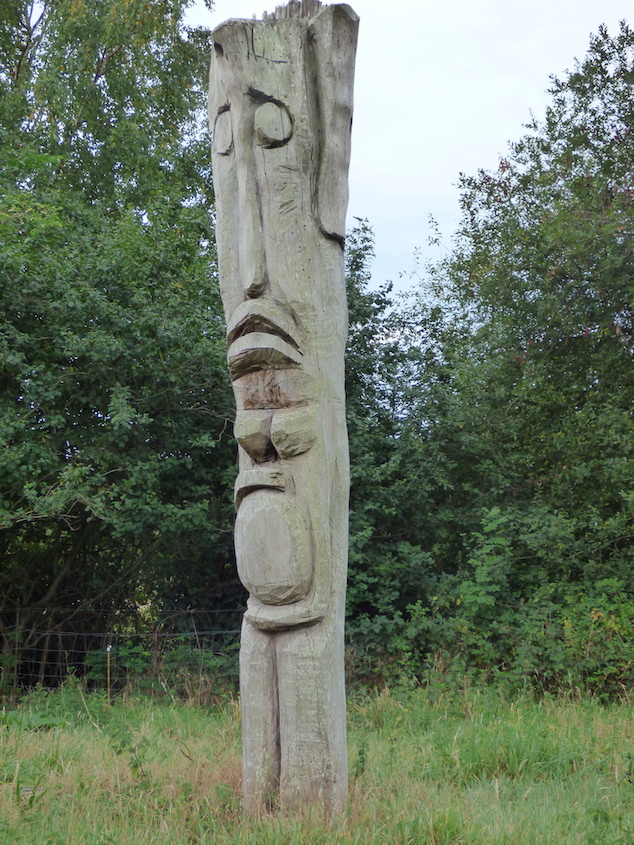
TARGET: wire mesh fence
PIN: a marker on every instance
(169, 652)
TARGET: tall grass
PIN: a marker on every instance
(469, 768)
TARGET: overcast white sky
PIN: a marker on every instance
(440, 88)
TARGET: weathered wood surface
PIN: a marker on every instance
(280, 107)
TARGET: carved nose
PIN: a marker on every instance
(251, 251)
(252, 255)
(256, 288)
(272, 127)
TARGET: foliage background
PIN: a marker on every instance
(489, 411)
(115, 407)
(509, 549)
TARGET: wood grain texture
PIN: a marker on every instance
(280, 109)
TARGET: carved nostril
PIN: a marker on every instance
(293, 432)
(256, 289)
(252, 430)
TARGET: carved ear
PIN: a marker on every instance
(333, 44)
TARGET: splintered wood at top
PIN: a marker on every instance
(294, 9)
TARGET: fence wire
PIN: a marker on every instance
(126, 649)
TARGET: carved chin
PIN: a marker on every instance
(273, 548)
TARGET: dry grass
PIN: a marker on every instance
(471, 769)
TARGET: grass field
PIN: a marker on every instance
(470, 768)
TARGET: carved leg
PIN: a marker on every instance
(259, 699)
(313, 766)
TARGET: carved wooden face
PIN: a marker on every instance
(280, 100)
(265, 165)
(275, 119)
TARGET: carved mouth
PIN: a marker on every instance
(261, 337)
(257, 315)
(258, 478)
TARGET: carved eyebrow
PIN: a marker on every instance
(260, 97)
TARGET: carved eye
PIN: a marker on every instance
(223, 133)
(273, 125)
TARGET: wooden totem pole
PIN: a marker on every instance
(280, 108)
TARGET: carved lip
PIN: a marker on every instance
(262, 317)
(261, 351)
(258, 478)
(261, 336)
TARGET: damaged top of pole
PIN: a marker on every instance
(299, 9)
(294, 9)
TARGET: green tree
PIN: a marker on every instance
(536, 412)
(115, 90)
(115, 455)
(388, 570)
